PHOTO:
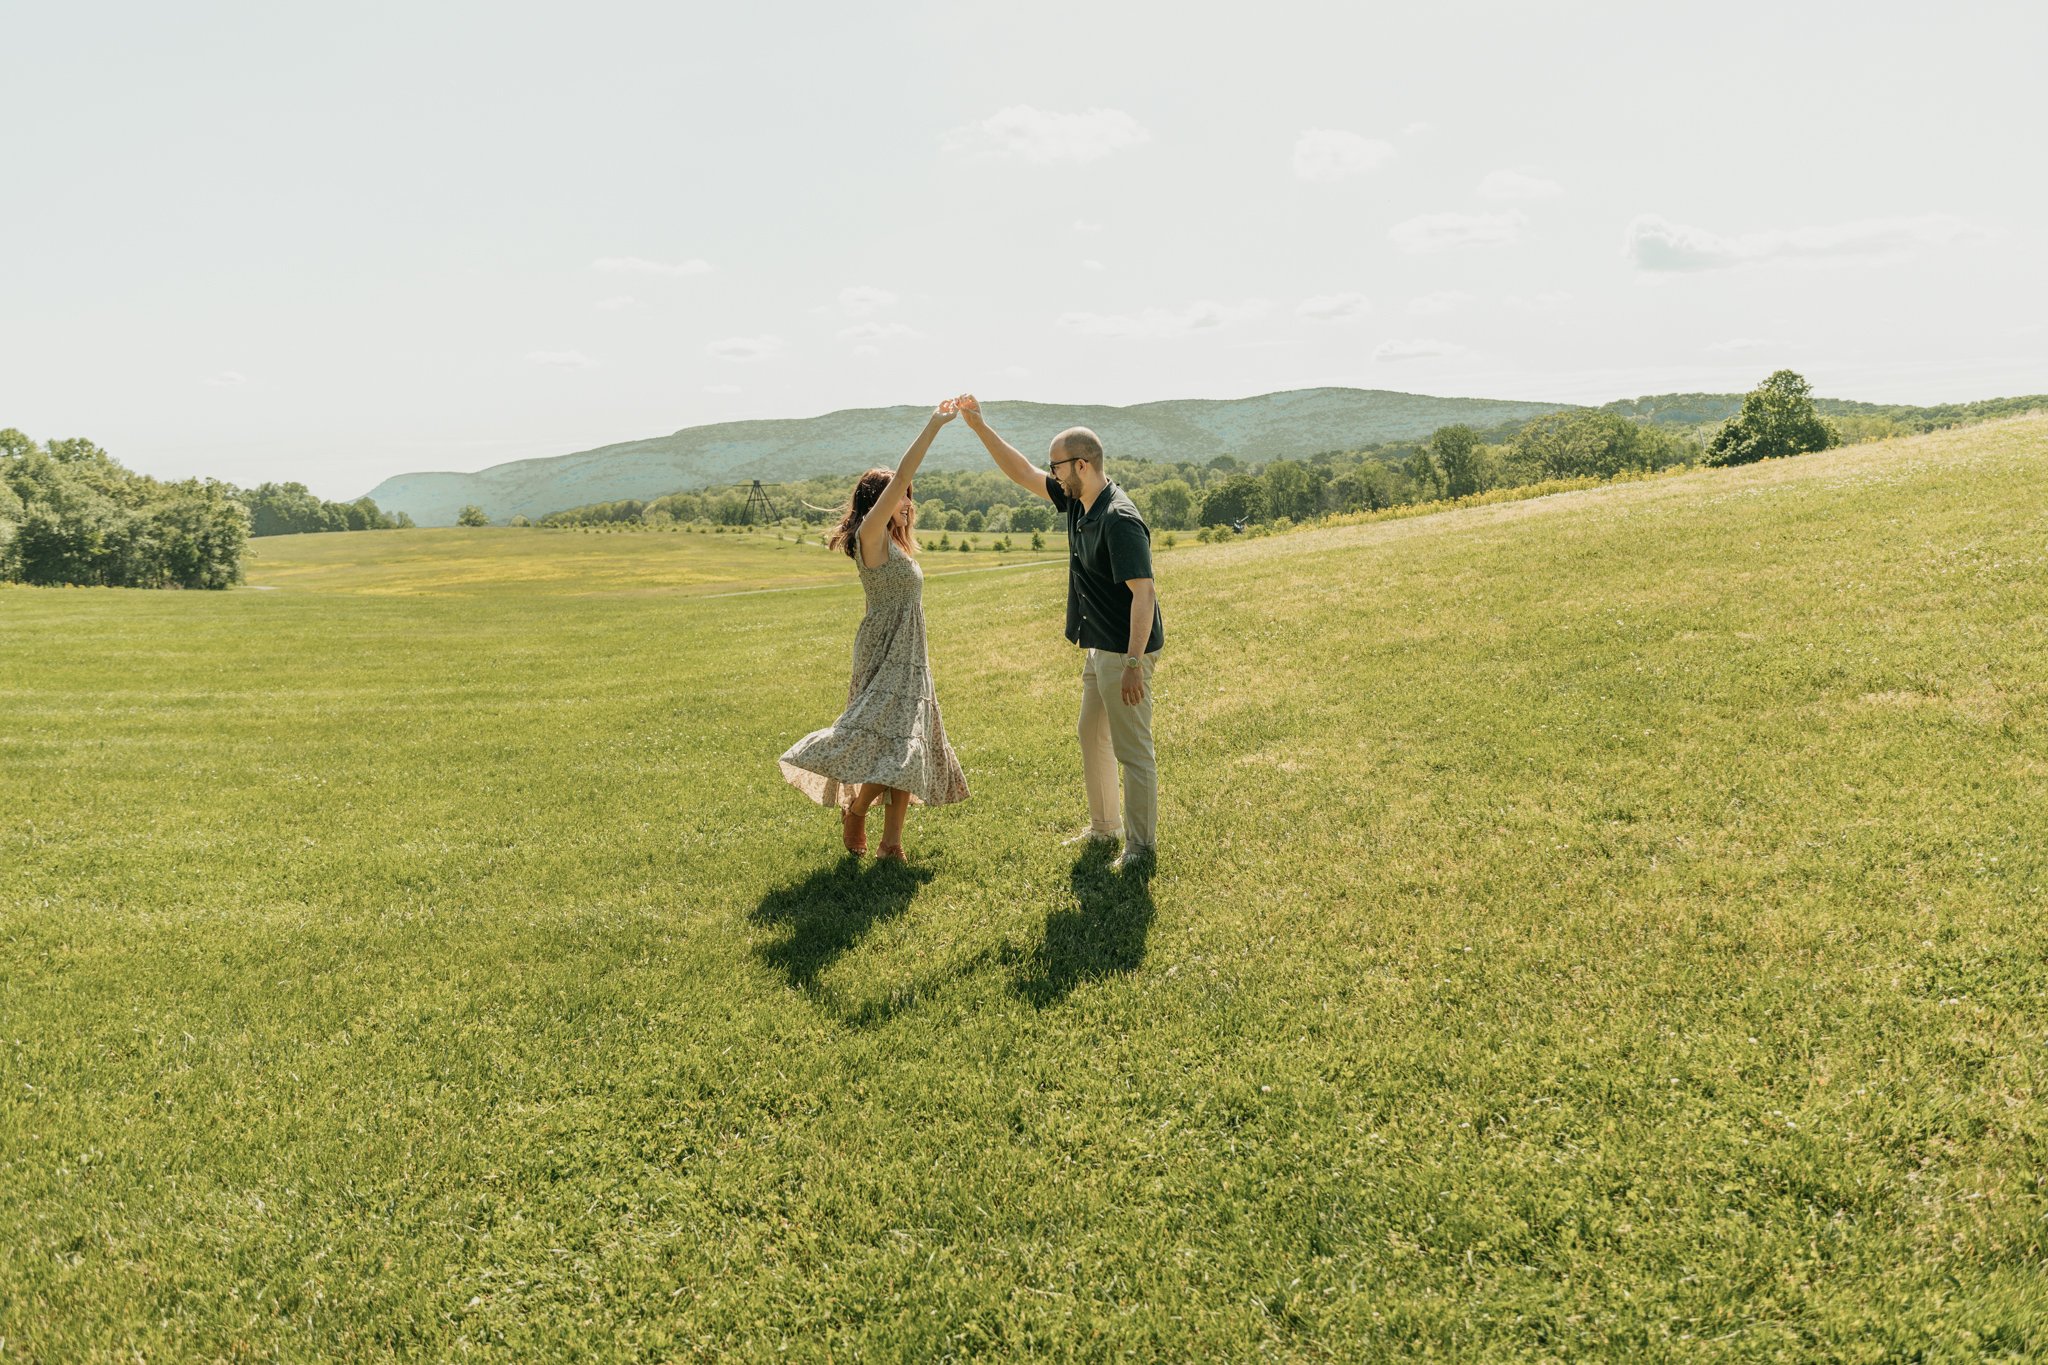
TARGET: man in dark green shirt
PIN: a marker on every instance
(1113, 615)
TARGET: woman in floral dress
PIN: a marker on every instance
(889, 746)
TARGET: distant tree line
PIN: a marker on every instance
(1456, 461)
(1857, 422)
(1641, 435)
(288, 509)
(72, 513)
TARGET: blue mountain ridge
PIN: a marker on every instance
(1270, 426)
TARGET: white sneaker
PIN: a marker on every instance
(1090, 836)
(1133, 855)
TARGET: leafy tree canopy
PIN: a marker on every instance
(71, 513)
(1777, 420)
(1589, 443)
(1458, 453)
(288, 509)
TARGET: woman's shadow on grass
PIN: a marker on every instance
(1102, 936)
(826, 915)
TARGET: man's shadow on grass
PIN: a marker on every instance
(1103, 936)
(826, 915)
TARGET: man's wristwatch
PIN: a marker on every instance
(1132, 661)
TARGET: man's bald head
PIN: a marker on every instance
(1079, 443)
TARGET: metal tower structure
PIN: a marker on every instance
(757, 496)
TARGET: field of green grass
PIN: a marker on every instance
(1603, 927)
(503, 562)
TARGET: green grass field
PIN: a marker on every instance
(1601, 927)
(501, 562)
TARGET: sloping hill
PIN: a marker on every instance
(1550, 894)
(1267, 427)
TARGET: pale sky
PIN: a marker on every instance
(334, 243)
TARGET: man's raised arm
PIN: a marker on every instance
(1007, 457)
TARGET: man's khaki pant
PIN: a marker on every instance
(1113, 733)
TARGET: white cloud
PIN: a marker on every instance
(1037, 135)
(617, 302)
(1016, 372)
(562, 360)
(1093, 265)
(1518, 185)
(1445, 231)
(1412, 129)
(1331, 154)
(865, 298)
(1333, 307)
(721, 388)
(227, 379)
(867, 350)
(633, 265)
(878, 331)
(1441, 301)
(1658, 246)
(1200, 316)
(1419, 348)
(2024, 330)
(1539, 303)
(1083, 225)
(745, 348)
(1745, 344)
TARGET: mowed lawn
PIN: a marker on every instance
(1604, 927)
(503, 562)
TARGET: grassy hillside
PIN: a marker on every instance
(1272, 425)
(1601, 927)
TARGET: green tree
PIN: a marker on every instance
(1777, 420)
(1591, 444)
(282, 509)
(199, 538)
(1238, 498)
(290, 509)
(1292, 491)
(472, 516)
(1423, 473)
(1368, 488)
(1034, 516)
(1169, 504)
(1346, 492)
(1461, 457)
(71, 513)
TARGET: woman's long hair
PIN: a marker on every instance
(846, 535)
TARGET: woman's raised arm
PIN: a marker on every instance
(875, 525)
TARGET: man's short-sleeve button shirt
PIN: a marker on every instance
(1108, 544)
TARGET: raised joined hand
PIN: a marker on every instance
(969, 407)
(945, 412)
